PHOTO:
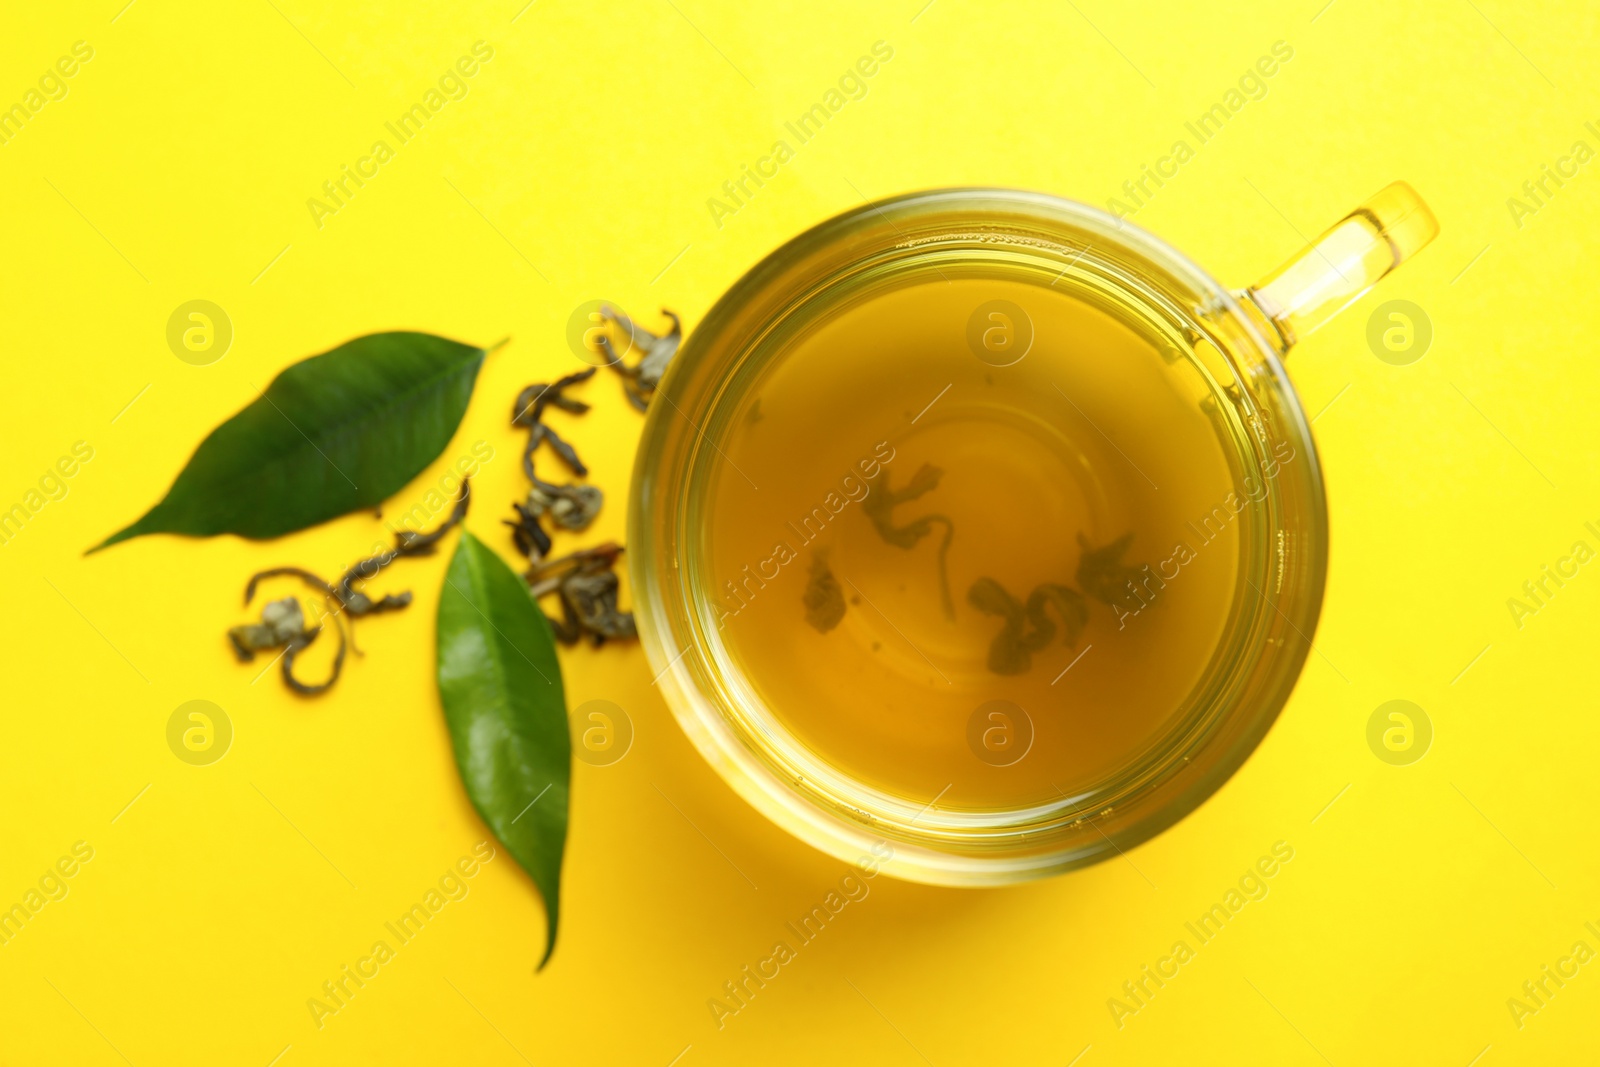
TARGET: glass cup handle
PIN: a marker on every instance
(1323, 279)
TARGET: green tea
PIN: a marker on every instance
(906, 503)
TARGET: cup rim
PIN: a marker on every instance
(1258, 362)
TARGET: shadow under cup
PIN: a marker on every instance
(1071, 380)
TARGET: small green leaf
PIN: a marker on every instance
(332, 434)
(500, 685)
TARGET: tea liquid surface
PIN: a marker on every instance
(833, 607)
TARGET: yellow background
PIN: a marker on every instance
(578, 167)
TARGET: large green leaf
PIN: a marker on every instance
(501, 689)
(332, 434)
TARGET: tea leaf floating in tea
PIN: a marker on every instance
(824, 597)
(1102, 573)
(879, 507)
(1030, 628)
(332, 434)
(640, 380)
(1011, 651)
(282, 628)
(500, 684)
(1069, 603)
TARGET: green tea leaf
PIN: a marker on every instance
(334, 433)
(501, 689)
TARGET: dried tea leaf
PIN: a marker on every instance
(639, 381)
(546, 576)
(568, 454)
(354, 601)
(571, 507)
(530, 538)
(576, 506)
(281, 622)
(588, 588)
(533, 399)
(529, 410)
(589, 606)
(294, 648)
(824, 597)
(417, 543)
(283, 625)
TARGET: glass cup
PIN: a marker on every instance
(1228, 345)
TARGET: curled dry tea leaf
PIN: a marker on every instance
(588, 587)
(570, 507)
(407, 543)
(417, 543)
(283, 625)
(349, 600)
(529, 536)
(639, 381)
(529, 412)
(589, 606)
(824, 597)
(282, 621)
(332, 434)
(533, 399)
(294, 648)
(500, 685)
(354, 601)
(568, 454)
(879, 507)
